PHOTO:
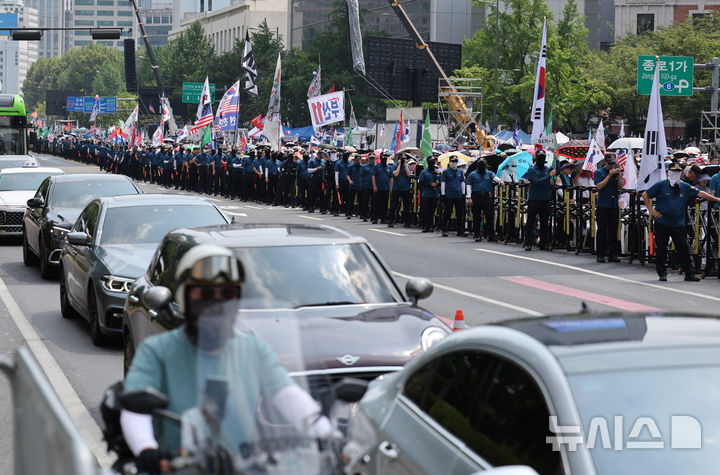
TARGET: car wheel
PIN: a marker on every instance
(128, 354)
(97, 336)
(29, 258)
(66, 308)
(45, 267)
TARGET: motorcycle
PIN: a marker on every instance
(253, 411)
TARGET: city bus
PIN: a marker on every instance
(13, 125)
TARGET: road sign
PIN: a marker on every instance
(676, 75)
(546, 141)
(191, 92)
(108, 105)
(8, 20)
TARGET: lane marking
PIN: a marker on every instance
(308, 217)
(499, 303)
(607, 276)
(66, 393)
(583, 295)
(387, 232)
(253, 207)
(232, 213)
(231, 207)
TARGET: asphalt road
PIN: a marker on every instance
(487, 281)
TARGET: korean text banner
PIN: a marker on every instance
(327, 109)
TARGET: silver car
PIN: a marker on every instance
(575, 395)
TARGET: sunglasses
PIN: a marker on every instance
(214, 292)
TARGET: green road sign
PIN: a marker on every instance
(676, 75)
(191, 92)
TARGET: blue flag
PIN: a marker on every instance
(394, 135)
(516, 136)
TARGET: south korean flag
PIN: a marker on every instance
(652, 165)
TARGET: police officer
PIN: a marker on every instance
(329, 201)
(479, 190)
(342, 186)
(381, 189)
(247, 177)
(236, 174)
(452, 190)
(671, 198)
(429, 182)
(608, 180)
(288, 178)
(353, 179)
(272, 177)
(315, 171)
(400, 191)
(365, 187)
(539, 196)
(258, 177)
(303, 180)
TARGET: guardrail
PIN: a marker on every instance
(46, 440)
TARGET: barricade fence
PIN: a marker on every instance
(45, 438)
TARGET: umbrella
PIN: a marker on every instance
(692, 151)
(412, 151)
(627, 142)
(348, 148)
(443, 159)
(505, 146)
(443, 147)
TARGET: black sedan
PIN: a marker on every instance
(330, 283)
(111, 245)
(52, 212)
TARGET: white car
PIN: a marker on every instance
(17, 185)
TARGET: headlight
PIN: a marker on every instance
(113, 283)
(430, 336)
(58, 232)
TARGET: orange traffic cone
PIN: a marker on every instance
(459, 321)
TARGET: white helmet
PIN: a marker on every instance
(211, 267)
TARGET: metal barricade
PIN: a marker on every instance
(46, 440)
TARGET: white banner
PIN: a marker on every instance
(327, 109)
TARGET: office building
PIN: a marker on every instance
(17, 56)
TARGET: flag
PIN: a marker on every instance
(204, 100)
(622, 129)
(382, 131)
(34, 114)
(353, 125)
(166, 115)
(130, 122)
(228, 109)
(548, 129)
(590, 135)
(274, 104)
(652, 164)
(426, 143)
(181, 134)
(594, 155)
(68, 127)
(314, 89)
(332, 89)
(538, 108)
(248, 64)
(600, 136)
(207, 137)
(157, 138)
(314, 140)
(257, 121)
(516, 136)
(95, 109)
(151, 109)
(627, 163)
(487, 125)
(241, 143)
(406, 132)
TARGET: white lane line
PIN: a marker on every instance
(499, 303)
(607, 276)
(387, 232)
(231, 207)
(253, 207)
(308, 217)
(232, 213)
(67, 395)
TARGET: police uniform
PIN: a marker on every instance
(381, 190)
(400, 192)
(429, 184)
(480, 191)
(538, 204)
(608, 212)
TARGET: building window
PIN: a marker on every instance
(84, 13)
(124, 23)
(81, 42)
(84, 23)
(645, 23)
(105, 23)
(124, 13)
(107, 3)
(84, 2)
(105, 13)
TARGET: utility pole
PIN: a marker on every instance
(497, 40)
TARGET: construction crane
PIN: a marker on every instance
(457, 106)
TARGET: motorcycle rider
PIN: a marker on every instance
(208, 285)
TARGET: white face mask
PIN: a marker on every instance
(674, 178)
(453, 165)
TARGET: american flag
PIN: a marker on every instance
(622, 158)
(228, 109)
(205, 119)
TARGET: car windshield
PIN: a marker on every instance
(76, 194)
(665, 396)
(149, 224)
(299, 276)
(22, 181)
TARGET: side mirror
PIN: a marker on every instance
(78, 238)
(351, 389)
(418, 288)
(144, 402)
(157, 297)
(35, 203)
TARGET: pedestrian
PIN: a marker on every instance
(400, 191)
(342, 185)
(381, 189)
(366, 187)
(235, 174)
(538, 204)
(353, 178)
(452, 191)
(479, 189)
(429, 182)
(315, 181)
(608, 180)
(671, 198)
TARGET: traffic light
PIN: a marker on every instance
(27, 35)
(105, 34)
